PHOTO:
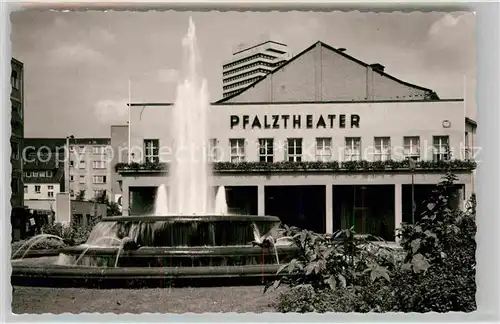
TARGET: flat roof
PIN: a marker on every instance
(138, 104)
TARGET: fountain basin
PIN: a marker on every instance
(210, 250)
(176, 231)
(140, 277)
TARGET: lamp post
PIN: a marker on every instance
(67, 176)
(363, 188)
(412, 169)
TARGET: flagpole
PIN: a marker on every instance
(129, 119)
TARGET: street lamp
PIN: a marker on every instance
(412, 169)
(67, 176)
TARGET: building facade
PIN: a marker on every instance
(119, 145)
(90, 168)
(250, 63)
(16, 143)
(325, 142)
(43, 173)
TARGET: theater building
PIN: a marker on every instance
(324, 142)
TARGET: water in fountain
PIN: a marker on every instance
(33, 241)
(220, 201)
(190, 171)
(161, 201)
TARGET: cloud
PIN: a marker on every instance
(111, 111)
(168, 75)
(101, 34)
(76, 54)
(60, 22)
(451, 43)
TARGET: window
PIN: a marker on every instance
(49, 174)
(382, 149)
(323, 149)
(237, 149)
(71, 178)
(213, 153)
(99, 193)
(28, 174)
(151, 150)
(14, 155)
(99, 164)
(15, 80)
(411, 147)
(71, 163)
(467, 146)
(14, 185)
(50, 187)
(441, 148)
(99, 179)
(266, 150)
(294, 149)
(352, 148)
(81, 165)
(98, 150)
(37, 189)
(50, 194)
(82, 179)
(25, 189)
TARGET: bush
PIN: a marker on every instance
(47, 244)
(375, 297)
(330, 261)
(73, 234)
(341, 273)
(441, 250)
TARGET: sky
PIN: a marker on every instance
(77, 64)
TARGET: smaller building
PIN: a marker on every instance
(43, 177)
(90, 167)
(251, 62)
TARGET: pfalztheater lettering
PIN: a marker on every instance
(294, 121)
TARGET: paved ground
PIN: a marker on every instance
(169, 300)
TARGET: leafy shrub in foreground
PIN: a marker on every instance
(438, 272)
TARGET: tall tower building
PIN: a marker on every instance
(250, 62)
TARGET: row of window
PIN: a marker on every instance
(39, 174)
(97, 150)
(382, 150)
(238, 84)
(244, 75)
(97, 193)
(38, 190)
(323, 150)
(248, 66)
(249, 58)
(95, 164)
(97, 179)
(230, 93)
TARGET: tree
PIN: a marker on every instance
(112, 208)
(80, 196)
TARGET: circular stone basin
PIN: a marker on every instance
(211, 250)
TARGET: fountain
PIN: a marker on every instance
(189, 237)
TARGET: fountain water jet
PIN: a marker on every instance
(161, 202)
(189, 173)
(220, 201)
